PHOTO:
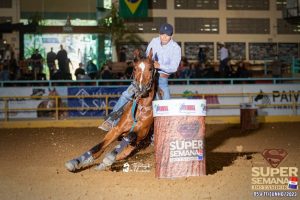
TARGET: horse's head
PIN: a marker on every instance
(144, 72)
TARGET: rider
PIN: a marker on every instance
(166, 56)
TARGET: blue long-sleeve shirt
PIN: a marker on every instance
(168, 56)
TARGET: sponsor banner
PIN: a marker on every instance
(30, 98)
(179, 107)
(270, 98)
(90, 105)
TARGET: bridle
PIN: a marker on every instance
(143, 91)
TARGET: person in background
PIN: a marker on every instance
(51, 57)
(224, 56)
(91, 69)
(242, 71)
(122, 55)
(63, 63)
(183, 69)
(80, 73)
(106, 73)
(129, 70)
(4, 72)
(36, 63)
(276, 67)
(201, 55)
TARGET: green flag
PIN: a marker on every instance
(133, 8)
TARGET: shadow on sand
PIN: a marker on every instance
(215, 161)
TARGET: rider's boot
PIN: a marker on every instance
(82, 161)
(111, 120)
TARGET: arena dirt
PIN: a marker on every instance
(32, 165)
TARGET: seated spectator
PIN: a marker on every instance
(79, 72)
(209, 72)
(13, 67)
(193, 71)
(122, 55)
(183, 69)
(91, 69)
(129, 70)
(276, 67)
(4, 73)
(242, 71)
(106, 73)
(201, 70)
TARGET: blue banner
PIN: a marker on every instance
(87, 103)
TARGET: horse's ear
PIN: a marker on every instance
(150, 55)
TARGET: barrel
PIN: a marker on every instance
(248, 116)
(179, 133)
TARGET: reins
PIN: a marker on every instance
(138, 96)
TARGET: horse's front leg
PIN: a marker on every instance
(89, 157)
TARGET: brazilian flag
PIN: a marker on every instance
(133, 8)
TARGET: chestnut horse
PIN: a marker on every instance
(135, 122)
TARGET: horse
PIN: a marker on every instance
(50, 104)
(134, 125)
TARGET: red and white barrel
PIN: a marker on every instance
(179, 133)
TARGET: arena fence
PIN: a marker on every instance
(57, 114)
(111, 82)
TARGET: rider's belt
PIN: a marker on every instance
(164, 75)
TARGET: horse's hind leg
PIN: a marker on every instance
(125, 153)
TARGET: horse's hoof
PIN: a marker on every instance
(80, 162)
(101, 167)
(71, 165)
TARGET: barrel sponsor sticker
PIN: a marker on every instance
(179, 107)
(186, 150)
